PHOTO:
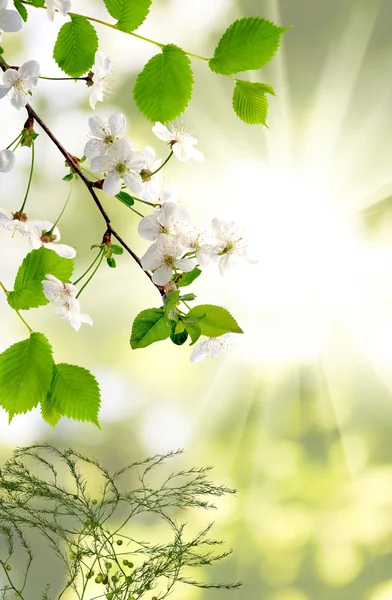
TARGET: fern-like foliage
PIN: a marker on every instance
(92, 535)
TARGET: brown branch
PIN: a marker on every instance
(73, 163)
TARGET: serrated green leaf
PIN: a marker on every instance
(129, 13)
(216, 321)
(75, 47)
(28, 290)
(74, 393)
(125, 199)
(248, 43)
(250, 102)
(49, 413)
(188, 278)
(25, 374)
(171, 302)
(164, 87)
(21, 10)
(194, 331)
(149, 326)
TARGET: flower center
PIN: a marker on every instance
(109, 140)
(169, 261)
(121, 168)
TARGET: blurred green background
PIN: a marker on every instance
(298, 416)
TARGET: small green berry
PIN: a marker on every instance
(90, 574)
(105, 579)
(98, 578)
(8, 567)
(125, 562)
(109, 565)
(119, 542)
(109, 596)
(76, 497)
(154, 598)
(94, 501)
(130, 564)
(114, 578)
(148, 586)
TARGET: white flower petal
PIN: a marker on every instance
(95, 147)
(30, 70)
(197, 155)
(162, 132)
(3, 4)
(10, 77)
(184, 264)
(182, 151)
(151, 259)
(100, 164)
(7, 160)
(225, 264)
(162, 275)
(10, 21)
(19, 99)
(112, 183)
(62, 250)
(4, 89)
(96, 95)
(199, 352)
(133, 181)
(117, 124)
(98, 127)
(120, 151)
(149, 227)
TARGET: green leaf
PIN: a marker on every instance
(164, 87)
(248, 43)
(188, 297)
(25, 374)
(179, 338)
(194, 331)
(117, 249)
(171, 302)
(21, 10)
(28, 290)
(129, 13)
(49, 413)
(188, 278)
(250, 102)
(125, 198)
(111, 262)
(37, 3)
(149, 326)
(68, 177)
(216, 321)
(74, 393)
(75, 47)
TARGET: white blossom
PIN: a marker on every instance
(63, 296)
(102, 78)
(197, 241)
(212, 346)
(20, 83)
(14, 221)
(171, 194)
(120, 163)
(164, 256)
(151, 184)
(231, 245)
(169, 219)
(181, 141)
(104, 134)
(41, 234)
(10, 20)
(61, 6)
(7, 161)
